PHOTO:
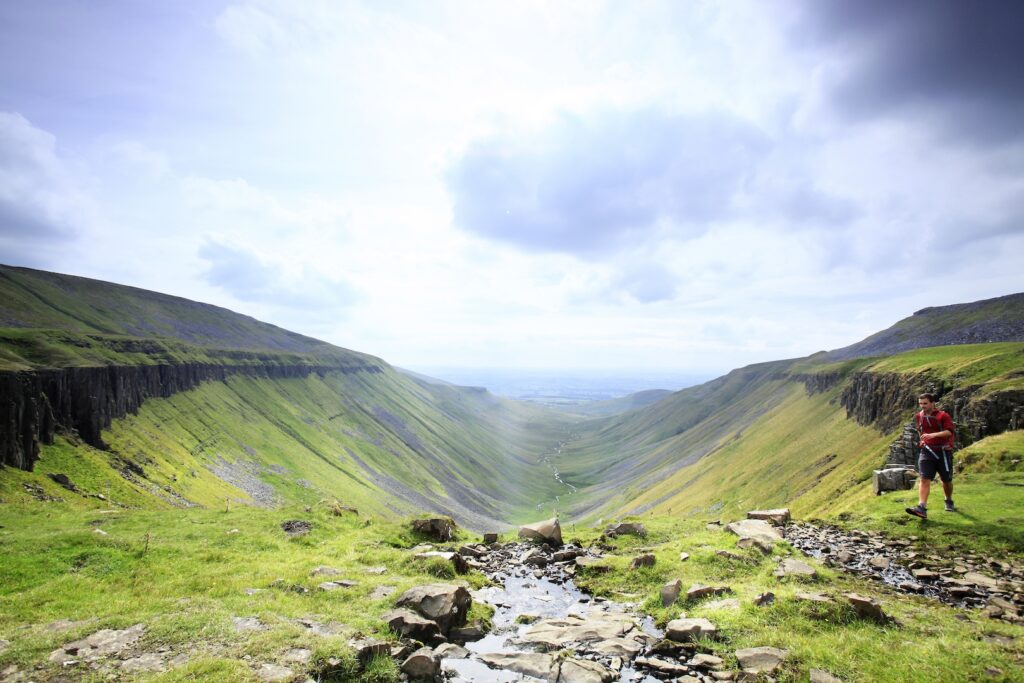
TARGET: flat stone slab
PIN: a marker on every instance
(274, 673)
(814, 597)
(596, 626)
(778, 516)
(583, 671)
(685, 630)
(104, 643)
(755, 528)
(618, 647)
(760, 660)
(790, 567)
(148, 662)
(533, 664)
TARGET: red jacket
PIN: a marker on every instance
(936, 422)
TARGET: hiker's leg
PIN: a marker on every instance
(925, 489)
(947, 488)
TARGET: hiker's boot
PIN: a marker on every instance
(949, 505)
(918, 511)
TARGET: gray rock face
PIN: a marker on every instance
(778, 517)
(445, 604)
(437, 528)
(423, 664)
(761, 660)
(549, 531)
(670, 592)
(795, 568)
(756, 529)
(685, 630)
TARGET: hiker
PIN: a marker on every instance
(936, 453)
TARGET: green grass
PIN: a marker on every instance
(829, 637)
(193, 579)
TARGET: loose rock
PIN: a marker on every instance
(684, 630)
(761, 660)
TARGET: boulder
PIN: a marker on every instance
(462, 634)
(778, 517)
(796, 568)
(534, 557)
(490, 538)
(646, 560)
(445, 604)
(684, 630)
(405, 622)
(892, 479)
(867, 608)
(761, 660)
(452, 651)
(583, 671)
(549, 531)
(438, 528)
(670, 592)
(535, 664)
(423, 664)
(699, 592)
(755, 528)
(626, 529)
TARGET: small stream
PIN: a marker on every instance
(542, 594)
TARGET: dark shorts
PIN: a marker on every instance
(936, 461)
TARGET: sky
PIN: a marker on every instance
(648, 186)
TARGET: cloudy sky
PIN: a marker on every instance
(679, 186)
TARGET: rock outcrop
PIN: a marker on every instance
(36, 403)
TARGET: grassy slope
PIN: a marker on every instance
(431, 439)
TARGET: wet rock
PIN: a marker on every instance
(867, 608)
(457, 561)
(296, 527)
(707, 661)
(534, 557)
(618, 647)
(822, 676)
(583, 671)
(406, 622)
(761, 660)
(626, 529)
(549, 531)
(880, 562)
(325, 571)
(755, 528)
(777, 517)
(670, 592)
(795, 568)
(423, 664)
(683, 630)
(273, 673)
(646, 560)
(437, 528)
(664, 666)
(596, 626)
(529, 663)
(452, 651)
(764, 599)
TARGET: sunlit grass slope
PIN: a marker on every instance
(380, 442)
(756, 438)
